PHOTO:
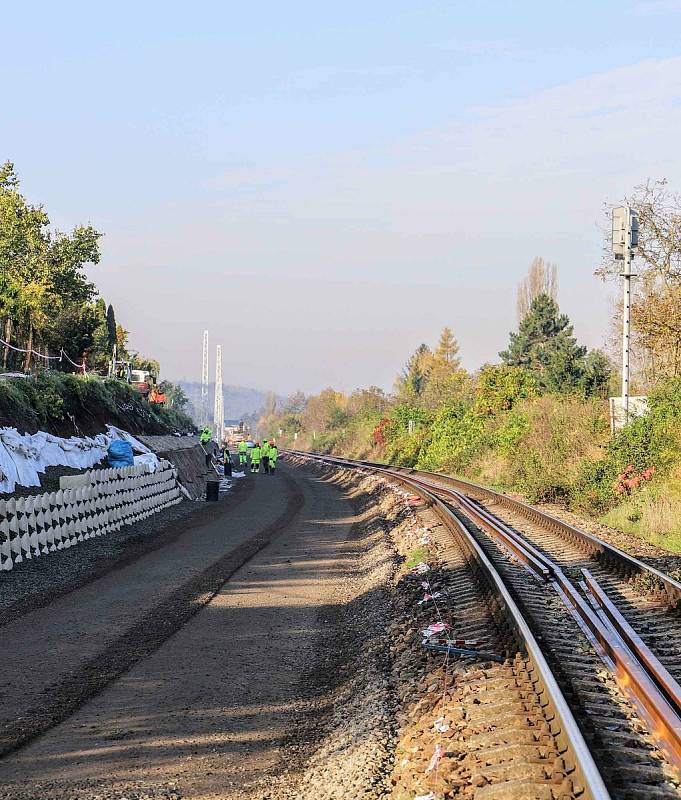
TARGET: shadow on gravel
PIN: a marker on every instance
(223, 688)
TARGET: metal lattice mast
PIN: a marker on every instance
(219, 411)
(204, 381)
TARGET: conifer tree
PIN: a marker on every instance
(111, 326)
(545, 344)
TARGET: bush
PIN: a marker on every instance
(649, 442)
(455, 438)
(53, 401)
(546, 440)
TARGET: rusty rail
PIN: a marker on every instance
(564, 725)
(638, 672)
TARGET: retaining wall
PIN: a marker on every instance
(92, 504)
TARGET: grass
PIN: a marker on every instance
(653, 514)
(416, 556)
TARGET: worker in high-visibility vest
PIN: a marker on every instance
(265, 456)
(256, 453)
(274, 454)
(243, 453)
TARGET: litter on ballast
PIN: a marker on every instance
(435, 629)
(440, 725)
(420, 569)
(435, 758)
(427, 597)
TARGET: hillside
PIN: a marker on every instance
(67, 404)
(239, 401)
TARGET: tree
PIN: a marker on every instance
(448, 349)
(111, 327)
(325, 410)
(175, 394)
(545, 344)
(147, 364)
(499, 387)
(72, 330)
(656, 294)
(542, 278)
(445, 381)
(122, 337)
(411, 383)
(98, 354)
(597, 374)
(367, 401)
(41, 271)
(295, 403)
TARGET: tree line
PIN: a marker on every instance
(545, 396)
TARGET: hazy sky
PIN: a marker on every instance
(325, 185)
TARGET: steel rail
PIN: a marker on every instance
(640, 675)
(596, 547)
(609, 612)
(638, 672)
(564, 726)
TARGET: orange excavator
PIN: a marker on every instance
(145, 383)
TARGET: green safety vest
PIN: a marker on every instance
(255, 454)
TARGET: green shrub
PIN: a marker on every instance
(651, 440)
(456, 437)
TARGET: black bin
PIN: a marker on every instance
(212, 490)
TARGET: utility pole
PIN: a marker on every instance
(218, 408)
(624, 243)
(204, 381)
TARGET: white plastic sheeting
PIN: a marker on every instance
(24, 457)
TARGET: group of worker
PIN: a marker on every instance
(265, 455)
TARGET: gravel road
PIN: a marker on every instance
(269, 652)
(206, 712)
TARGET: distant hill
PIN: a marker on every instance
(239, 401)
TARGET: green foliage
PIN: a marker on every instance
(175, 395)
(412, 382)
(651, 440)
(510, 432)
(111, 328)
(55, 401)
(455, 437)
(596, 375)
(42, 274)
(500, 387)
(544, 344)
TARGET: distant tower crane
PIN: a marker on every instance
(203, 411)
(219, 410)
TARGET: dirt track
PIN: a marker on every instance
(195, 706)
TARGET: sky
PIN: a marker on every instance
(324, 186)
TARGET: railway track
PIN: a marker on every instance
(606, 625)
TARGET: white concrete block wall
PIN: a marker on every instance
(88, 505)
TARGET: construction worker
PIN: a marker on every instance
(274, 454)
(206, 437)
(256, 453)
(227, 460)
(265, 456)
(243, 453)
